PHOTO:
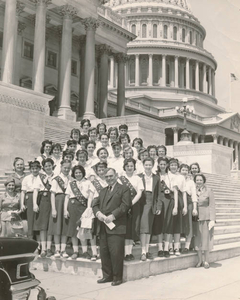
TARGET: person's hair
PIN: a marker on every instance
(92, 129)
(68, 152)
(152, 147)
(173, 161)
(162, 147)
(75, 130)
(100, 149)
(71, 142)
(46, 161)
(101, 124)
(8, 180)
(34, 163)
(103, 135)
(123, 136)
(123, 126)
(57, 145)
(80, 152)
(129, 160)
(85, 121)
(44, 144)
(126, 149)
(17, 159)
(65, 161)
(83, 137)
(148, 159)
(196, 164)
(109, 169)
(80, 168)
(101, 164)
(184, 166)
(91, 142)
(159, 160)
(115, 144)
(113, 129)
(139, 141)
(141, 151)
(201, 175)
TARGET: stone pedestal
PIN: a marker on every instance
(22, 121)
(212, 158)
(66, 114)
(151, 131)
(235, 174)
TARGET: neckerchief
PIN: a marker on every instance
(78, 193)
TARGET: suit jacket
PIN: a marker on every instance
(157, 194)
(116, 202)
(206, 205)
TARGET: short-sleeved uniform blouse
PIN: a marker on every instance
(177, 180)
(28, 183)
(55, 188)
(136, 182)
(85, 186)
(8, 203)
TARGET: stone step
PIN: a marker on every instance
(220, 230)
(227, 222)
(220, 216)
(226, 201)
(135, 269)
(227, 210)
(227, 205)
(226, 238)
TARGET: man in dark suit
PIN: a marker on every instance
(112, 205)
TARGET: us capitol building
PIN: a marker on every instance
(113, 59)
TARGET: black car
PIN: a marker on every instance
(16, 281)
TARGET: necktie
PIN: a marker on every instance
(110, 188)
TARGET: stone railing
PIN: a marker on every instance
(112, 16)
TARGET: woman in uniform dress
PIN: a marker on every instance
(45, 150)
(113, 135)
(90, 147)
(135, 184)
(206, 221)
(194, 169)
(82, 159)
(152, 151)
(174, 218)
(142, 154)
(85, 125)
(28, 184)
(191, 202)
(116, 162)
(74, 135)
(57, 223)
(151, 204)
(56, 156)
(19, 174)
(79, 196)
(42, 205)
(137, 144)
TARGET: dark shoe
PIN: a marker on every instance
(166, 254)
(127, 258)
(104, 280)
(49, 253)
(185, 251)
(75, 255)
(143, 257)
(131, 257)
(86, 255)
(149, 255)
(160, 253)
(118, 282)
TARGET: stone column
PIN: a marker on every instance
(171, 67)
(65, 111)
(196, 135)
(220, 140)
(91, 25)
(210, 81)
(236, 162)
(163, 70)
(111, 71)
(232, 147)
(104, 51)
(225, 142)
(204, 78)
(115, 73)
(175, 135)
(176, 71)
(127, 72)
(215, 138)
(187, 74)
(181, 75)
(197, 76)
(202, 138)
(137, 70)
(39, 45)
(121, 59)
(213, 83)
(150, 70)
(9, 38)
(81, 107)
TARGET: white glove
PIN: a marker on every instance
(211, 225)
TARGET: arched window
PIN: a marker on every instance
(197, 40)
(183, 35)
(154, 30)
(191, 40)
(144, 31)
(133, 29)
(174, 33)
(165, 31)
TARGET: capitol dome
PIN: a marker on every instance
(167, 60)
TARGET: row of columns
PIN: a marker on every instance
(176, 74)
(87, 52)
(217, 139)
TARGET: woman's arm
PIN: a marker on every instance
(175, 208)
(66, 213)
(35, 195)
(185, 209)
(90, 199)
(22, 206)
(54, 212)
(137, 197)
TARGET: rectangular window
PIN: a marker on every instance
(1, 39)
(74, 67)
(28, 50)
(51, 59)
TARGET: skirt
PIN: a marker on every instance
(147, 217)
(158, 223)
(30, 213)
(41, 219)
(75, 209)
(203, 236)
(59, 224)
(133, 223)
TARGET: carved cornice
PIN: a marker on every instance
(19, 8)
(90, 24)
(39, 2)
(121, 57)
(68, 11)
(21, 27)
(104, 49)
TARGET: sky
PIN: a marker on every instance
(221, 20)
